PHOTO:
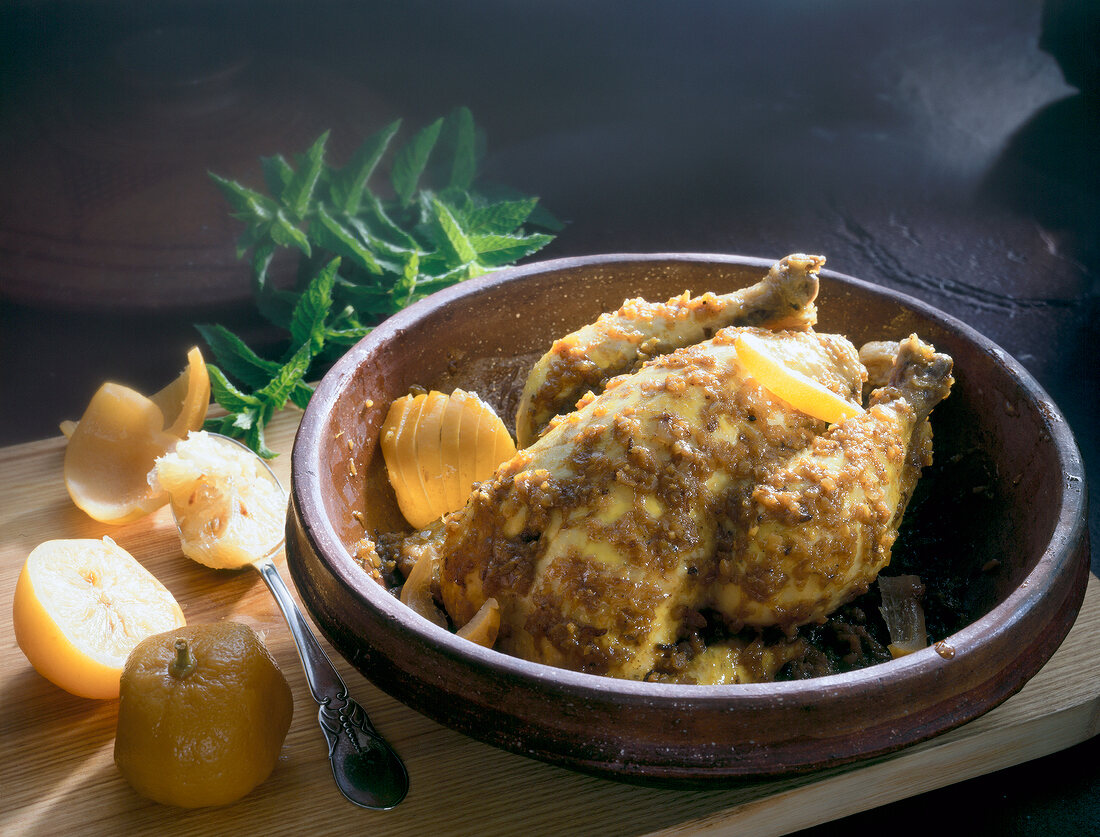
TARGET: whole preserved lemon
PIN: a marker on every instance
(202, 715)
(80, 607)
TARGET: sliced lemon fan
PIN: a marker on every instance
(81, 606)
(800, 391)
(436, 447)
(113, 447)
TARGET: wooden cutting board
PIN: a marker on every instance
(57, 774)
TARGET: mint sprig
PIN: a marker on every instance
(361, 256)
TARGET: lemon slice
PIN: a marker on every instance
(81, 606)
(485, 625)
(436, 447)
(800, 391)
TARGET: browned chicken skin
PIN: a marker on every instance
(686, 491)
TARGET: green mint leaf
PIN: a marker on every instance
(233, 399)
(500, 218)
(307, 324)
(352, 180)
(255, 440)
(278, 390)
(452, 240)
(329, 234)
(284, 233)
(301, 394)
(348, 336)
(375, 222)
(411, 160)
(372, 303)
(464, 164)
(221, 424)
(255, 235)
(277, 174)
(542, 218)
(498, 250)
(299, 190)
(249, 204)
(236, 358)
(439, 277)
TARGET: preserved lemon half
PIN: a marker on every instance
(228, 506)
(81, 606)
(122, 432)
(803, 393)
(436, 447)
(202, 715)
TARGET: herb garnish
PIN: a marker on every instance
(361, 257)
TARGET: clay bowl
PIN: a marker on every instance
(1003, 516)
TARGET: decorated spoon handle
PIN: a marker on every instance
(367, 770)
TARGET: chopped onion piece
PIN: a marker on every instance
(485, 625)
(903, 613)
(416, 592)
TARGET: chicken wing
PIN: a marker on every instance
(617, 342)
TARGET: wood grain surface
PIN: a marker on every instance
(57, 773)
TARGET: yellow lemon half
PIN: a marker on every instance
(122, 432)
(80, 606)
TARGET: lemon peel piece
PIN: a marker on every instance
(436, 447)
(80, 607)
(185, 401)
(111, 451)
(113, 447)
(800, 391)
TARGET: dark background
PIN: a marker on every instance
(947, 149)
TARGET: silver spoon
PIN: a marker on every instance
(365, 767)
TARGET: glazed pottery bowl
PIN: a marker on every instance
(1001, 514)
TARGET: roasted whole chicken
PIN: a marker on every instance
(662, 494)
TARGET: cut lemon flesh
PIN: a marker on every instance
(803, 393)
(228, 506)
(436, 447)
(81, 606)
